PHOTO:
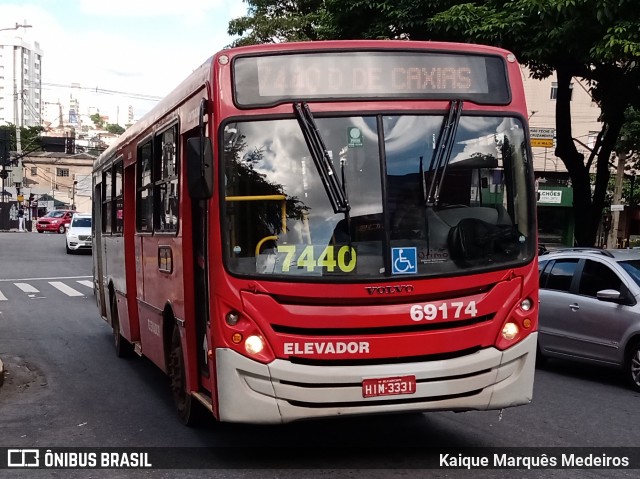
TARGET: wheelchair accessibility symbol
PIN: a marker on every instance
(404, 260)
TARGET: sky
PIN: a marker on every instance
(137, 47)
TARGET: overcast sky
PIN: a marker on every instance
(139, 47)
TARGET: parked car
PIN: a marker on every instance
(79, 233)
(590, 308)
(56, 220)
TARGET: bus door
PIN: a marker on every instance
(198, 159)
(98, 266)
(144, 211)
(199, 214)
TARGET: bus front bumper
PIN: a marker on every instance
(280, 392)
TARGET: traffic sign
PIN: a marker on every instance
(542, 142)
(542, 133)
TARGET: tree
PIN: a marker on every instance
(270, 21)
(630, 142)
(630, 137)
(595, 40)
(115, 129)
(29, 137)
(97, 120)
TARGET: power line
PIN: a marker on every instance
(103, 91)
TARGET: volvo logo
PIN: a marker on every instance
(397, 289)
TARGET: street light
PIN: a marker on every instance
(16, 27)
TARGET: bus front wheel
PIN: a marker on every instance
(123, 347)
(178, 381)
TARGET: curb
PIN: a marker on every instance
(1, 373)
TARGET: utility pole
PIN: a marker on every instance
(73, 195)
(4, 157)
(19, 120)
(612, 239)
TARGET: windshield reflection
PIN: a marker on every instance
(279, 219)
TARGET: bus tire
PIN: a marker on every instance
(123, 347)
(182, 399)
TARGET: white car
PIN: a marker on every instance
(79, 233)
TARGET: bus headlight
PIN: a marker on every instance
(254, 344)
(510, 331)
(526, 304)
(232, 318)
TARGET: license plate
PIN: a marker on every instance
(388, 386)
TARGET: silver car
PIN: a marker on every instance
(590, 308)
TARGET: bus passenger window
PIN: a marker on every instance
(166, 181)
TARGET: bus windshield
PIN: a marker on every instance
(279, 220)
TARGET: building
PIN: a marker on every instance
(20, 79)
(555, 195)
(58, 180)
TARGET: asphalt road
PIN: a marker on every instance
(66, 388)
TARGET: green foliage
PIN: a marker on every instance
(278, 21)
(629, 140)
(97, 120)
(29, 137)
(115, 129)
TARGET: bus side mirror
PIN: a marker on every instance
(199, 168)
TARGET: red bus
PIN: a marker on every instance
(309, 230)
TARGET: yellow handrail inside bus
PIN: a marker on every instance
(262, 241)
(283, 212)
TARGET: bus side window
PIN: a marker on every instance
(107, 195)
(166, 180)
(144, 188)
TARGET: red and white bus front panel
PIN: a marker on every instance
(471, 352)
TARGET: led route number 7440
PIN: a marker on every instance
(344, 259)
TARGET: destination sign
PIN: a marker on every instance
(269, 80)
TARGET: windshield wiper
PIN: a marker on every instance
(444, 146)
(335, 190)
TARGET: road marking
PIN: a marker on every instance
(27, 288)
(2, 297)
(87, 283)
(65, 289)
(42, 279)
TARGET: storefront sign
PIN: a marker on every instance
(550, 197)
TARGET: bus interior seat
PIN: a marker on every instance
(452, 214)
(478, 234)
